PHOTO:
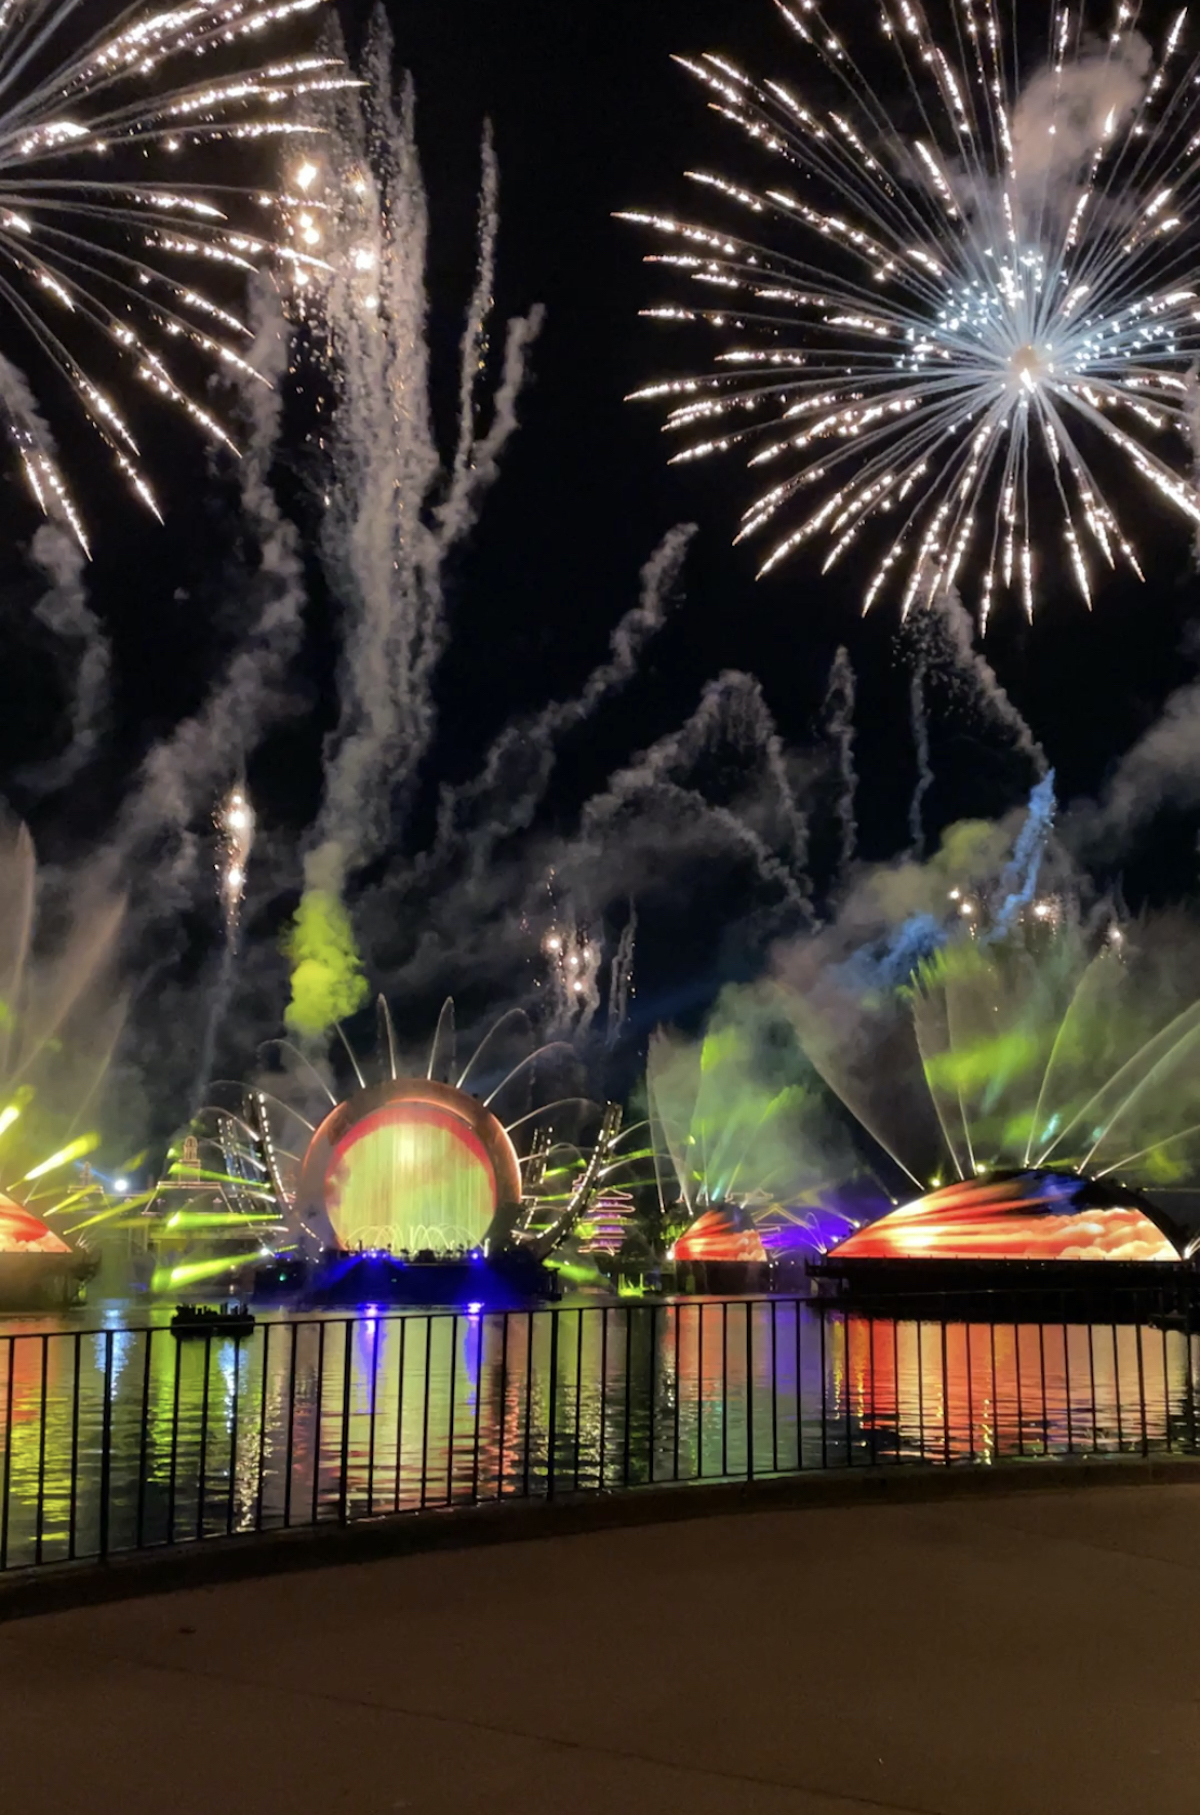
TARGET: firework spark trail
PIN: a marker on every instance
(234, 819)
(839, 726)
(394, 517)
(947, 326)
(94, 246)
(574, 959)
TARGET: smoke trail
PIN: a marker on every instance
(188, 766)
(620, 979)
(218, 1008)
(155, 831)
(1019, 882)
(503, 798)
(920, 727)
(1161, 770)
(1065, 115)
(731, 763)
(64, 609)
(394, 517)
(839, 727)
(703, 831)
(944, 638)
(660, 802)
(59, 548)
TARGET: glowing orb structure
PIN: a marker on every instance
(411, 1165)
(1018, 1217)
(22, 1233)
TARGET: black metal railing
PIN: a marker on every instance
(118, 1440)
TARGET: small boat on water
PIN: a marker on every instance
(212, 1320)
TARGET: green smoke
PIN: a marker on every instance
(327, 976)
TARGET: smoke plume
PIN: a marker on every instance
(395, 518)
(64, 609)
(839, 728)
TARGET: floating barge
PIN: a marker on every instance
(346, 1279)
(1038, 1245)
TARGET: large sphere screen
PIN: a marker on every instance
(410, 1176)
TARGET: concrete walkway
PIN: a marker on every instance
(992, 1657)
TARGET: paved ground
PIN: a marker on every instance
(995, 1657)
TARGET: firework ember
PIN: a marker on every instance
(235, 823)
(95, 247)
(953, 317)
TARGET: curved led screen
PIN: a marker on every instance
(723, 1233)
(411, 1166)
(21, 1233)
(1025, 1216)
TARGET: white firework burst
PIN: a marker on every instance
(94, 248)
(235, 822)
(947, 313)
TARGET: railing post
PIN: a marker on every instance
(344, 1479)
(40, 1526)
(676, 1317)
(824, 1425)
(106, 1445)
(371, 1435)
(749, 1390)
(946, 1451)
(481, 1326)
(578, 1391)
(318, 1420)
(652, 1393)
(231, 1507)
(425, 1409)
(73, 1516)
(262, 1427)
(501, 1433)
(628, 1395)
(6, 1490)
(555, 1315)
(1139, 1311)
(290, 1447)
(400, 1411)
(603, 1397)
(143, 1443)
(530, 1336)
(452, 1419)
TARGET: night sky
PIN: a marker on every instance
(590, 116)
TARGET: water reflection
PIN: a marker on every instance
(118, 1438)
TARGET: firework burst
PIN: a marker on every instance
(946, 316)
(234, 820)
(94, 248)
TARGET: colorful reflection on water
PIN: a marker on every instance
(117, 1439)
